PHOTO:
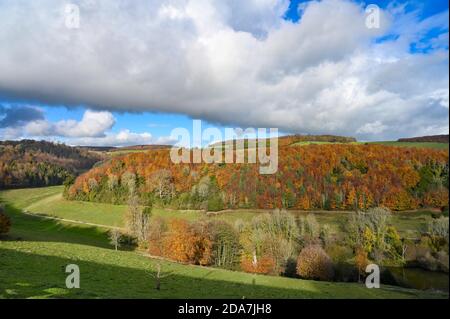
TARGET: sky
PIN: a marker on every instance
(117, 72)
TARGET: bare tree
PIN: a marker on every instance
(158, 275)
(115, 237)
(162, 181)
(137, 220)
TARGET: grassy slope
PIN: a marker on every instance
(49, 201)
(33, 259)
(440, 146)
(33, 267)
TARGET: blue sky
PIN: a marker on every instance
(416, 39)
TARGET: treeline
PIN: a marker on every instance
(279, 243)
(30, 163)
(322, 138)
(292, 139)
(431, 138)
(326, 177)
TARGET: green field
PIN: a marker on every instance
(48, 201)
(439, 146)
(33, 257)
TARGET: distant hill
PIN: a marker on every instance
(108, 149)
(323, 176)
(431, 138)
(29, 163)
(298, 139)
(98, 148)
(144, 147)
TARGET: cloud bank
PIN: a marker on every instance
(232, 62)
(94, 129)
(93, 124)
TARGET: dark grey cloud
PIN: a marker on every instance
(19, 115)
(230, 63)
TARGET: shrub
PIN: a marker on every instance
(444, 210)
(442, 259)
(339, 253)
(188, 243)
(439, 228)
(263, 265)
(5, 222)
(314, 263)
(215, 203)
(156, 233)
(361, 261)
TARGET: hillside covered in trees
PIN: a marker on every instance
(431, 138)
(326, 176)
(30, 163)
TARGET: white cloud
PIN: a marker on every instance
(371, 128)
(93, 124)
(233, 62)
(10, 133)
(123, 138)
(94, 129)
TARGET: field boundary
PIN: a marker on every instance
(70, 220)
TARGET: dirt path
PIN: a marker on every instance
(69, 220)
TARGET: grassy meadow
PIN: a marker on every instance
(432, 145)
(48, 201)
(34, 255)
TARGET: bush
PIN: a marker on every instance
(5, 222)
(314, 263)
(189, 243)
(215, 203)
(263, 265)
(444, 210)
(439, 228)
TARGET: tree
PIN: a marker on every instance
(158, 275)
(438, 232)
(361, 261)
(162, 183)
(274, 236)
(190, 243)
(115, 237)
(137, 220)
(309, 227)
(5, 222)
(439, 227)
(156, 236)
(314, 263)
(225, 249)
(128, 180)
(370, 231)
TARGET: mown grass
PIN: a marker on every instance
(34, 256)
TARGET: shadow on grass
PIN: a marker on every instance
(24, 274)
(27, 275)
(35, 228)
